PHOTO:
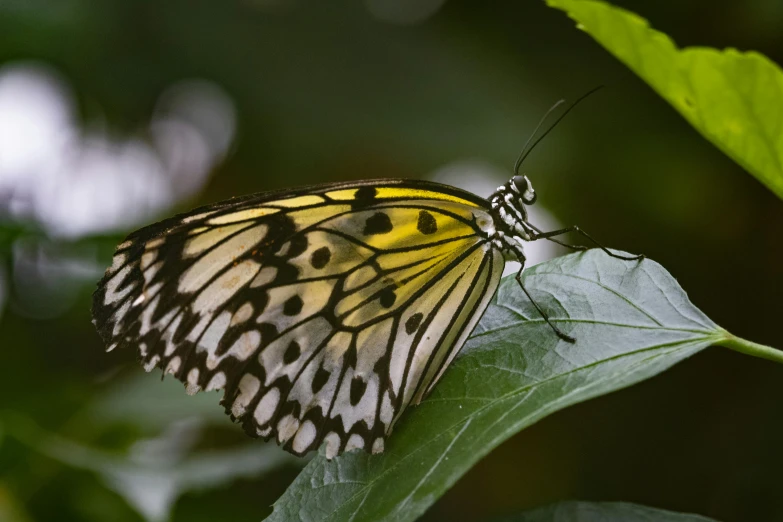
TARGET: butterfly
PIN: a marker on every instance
(322, 312)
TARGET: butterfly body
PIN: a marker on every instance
(323, 312)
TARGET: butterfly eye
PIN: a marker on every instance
(521, 183)
(525, 188)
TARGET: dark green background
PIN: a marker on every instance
(326, 92)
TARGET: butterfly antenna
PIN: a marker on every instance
(525, 150)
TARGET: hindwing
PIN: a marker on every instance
(322, 312)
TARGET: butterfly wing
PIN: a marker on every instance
(322, 312)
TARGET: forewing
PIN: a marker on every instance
(322, 312)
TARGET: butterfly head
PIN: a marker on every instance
(524, 188)
(514, 196)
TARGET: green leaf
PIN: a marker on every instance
(733, 98)
(602, 512)
(631, 321)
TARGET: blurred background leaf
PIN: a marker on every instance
(118, 113)
(155, 472)
(602, 512)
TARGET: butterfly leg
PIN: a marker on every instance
(557, 330)
(550, 235)
(572, 247)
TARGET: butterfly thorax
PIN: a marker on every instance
(510, 216)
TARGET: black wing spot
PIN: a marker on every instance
(286, 273)
(292, 353)
(268, 332)
(364, 196)
(320, 257)
(293, 305)
(298, 245)
(388, 297)
(427, 224)
(320, 379)
(413, 322)
(378, 223)
(358, 387)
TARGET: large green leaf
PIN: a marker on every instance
(733, 98)
(631, 321)
(602, 512)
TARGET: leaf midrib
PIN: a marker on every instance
(589, 321)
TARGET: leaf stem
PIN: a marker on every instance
(738, 344)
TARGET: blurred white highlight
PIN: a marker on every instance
(482, 179)
(75, 183)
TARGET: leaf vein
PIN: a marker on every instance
(603, 286)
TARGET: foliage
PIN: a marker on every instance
(602, 512)
(733, 98)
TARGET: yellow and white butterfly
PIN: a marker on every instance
(324, 311)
